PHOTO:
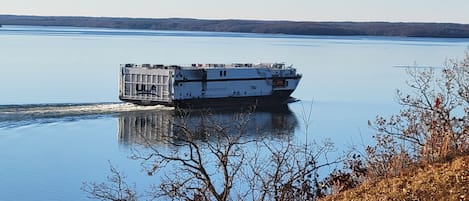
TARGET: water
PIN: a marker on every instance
(61, 122)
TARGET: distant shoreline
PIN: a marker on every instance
(400, 29)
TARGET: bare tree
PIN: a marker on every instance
(286, 172)
(204, 162)
(115, 190)
(213, 159)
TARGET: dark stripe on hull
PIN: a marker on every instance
(238, 79)
(276, 99)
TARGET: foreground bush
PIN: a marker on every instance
(432, 126)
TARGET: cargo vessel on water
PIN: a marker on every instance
(208, 85)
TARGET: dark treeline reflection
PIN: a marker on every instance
(156, 126)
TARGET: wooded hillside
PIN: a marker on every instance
(448, 30)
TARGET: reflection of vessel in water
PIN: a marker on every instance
(156, 126)
(139, 127)
(208, 85)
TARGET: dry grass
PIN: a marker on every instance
(438, 181)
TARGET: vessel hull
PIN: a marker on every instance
(276, 99)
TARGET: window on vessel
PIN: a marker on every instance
(224, 73)
(220, 73)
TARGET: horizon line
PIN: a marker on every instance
(241, 19)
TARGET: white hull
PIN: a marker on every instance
(206, 85)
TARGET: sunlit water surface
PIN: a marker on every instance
(61, 122)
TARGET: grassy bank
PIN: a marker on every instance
(439, 181)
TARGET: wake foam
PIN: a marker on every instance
(20, 115)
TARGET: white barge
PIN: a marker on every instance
(208, 85)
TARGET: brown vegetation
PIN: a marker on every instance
(438, 181)
(413, 155)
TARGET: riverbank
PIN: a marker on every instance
(440, 181)
(400, 29)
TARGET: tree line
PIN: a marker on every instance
(401, 29)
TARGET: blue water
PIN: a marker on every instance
(47, 148)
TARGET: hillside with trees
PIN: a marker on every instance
(446, 30)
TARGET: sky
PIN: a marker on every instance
(456, 11)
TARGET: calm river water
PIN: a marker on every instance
(61, 122)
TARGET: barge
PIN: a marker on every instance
(208, 85)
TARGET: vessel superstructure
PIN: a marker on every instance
(208, 85)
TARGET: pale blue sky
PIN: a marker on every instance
(299, 10)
